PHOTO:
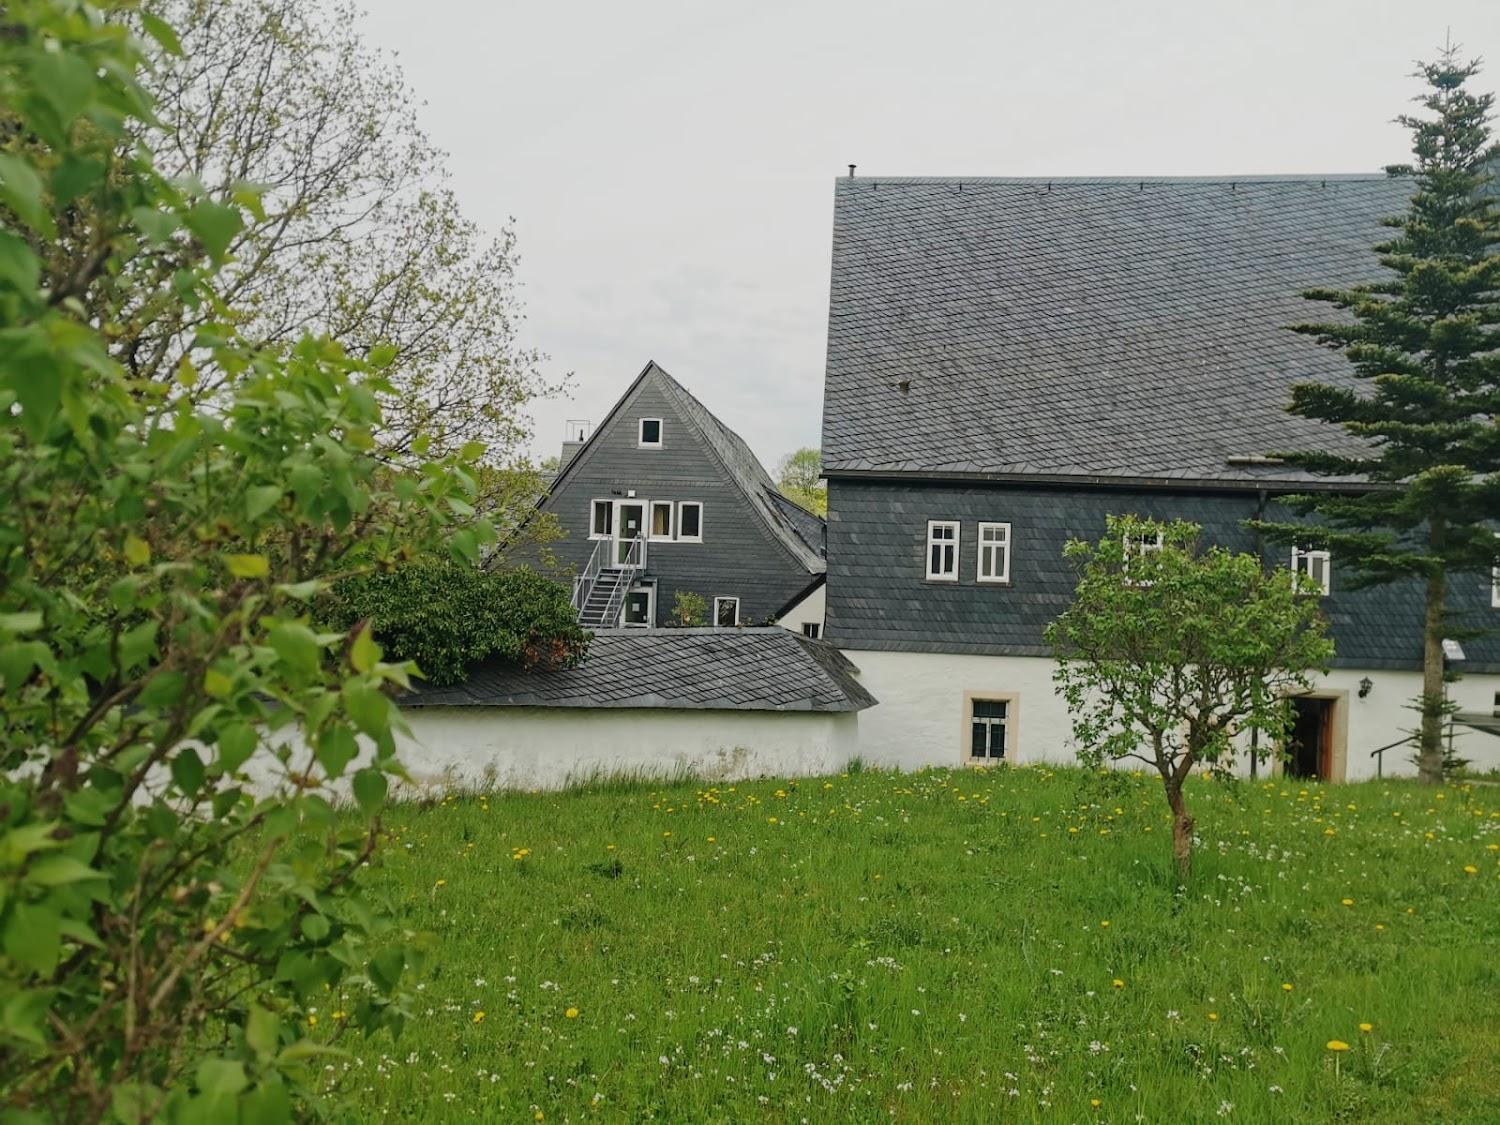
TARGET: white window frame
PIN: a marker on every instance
(932, 541)
(726, 598)
(1011, 724)
(1304, 561)
(649, 589)
(1495, 589)
(1000, 547)
(681, 538)
(1138, 546)
(812, 630)
(651, 533)
(640, 434)
(609, 506)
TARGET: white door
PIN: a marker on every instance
(630, 525)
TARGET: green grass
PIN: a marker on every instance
(944, 946)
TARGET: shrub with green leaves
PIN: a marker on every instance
(447, 616)
(165, 933)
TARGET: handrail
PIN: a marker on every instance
(583, 584)
(633, 558)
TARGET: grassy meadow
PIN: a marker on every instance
(944, 945)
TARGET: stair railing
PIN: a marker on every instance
(635, 557)
(583, 584)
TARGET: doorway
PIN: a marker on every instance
(630, 525)
(1309, 744)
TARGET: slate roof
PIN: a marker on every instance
(1087, 328)
(762, 669)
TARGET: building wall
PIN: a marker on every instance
(878, 597)
(739, 557)
(922, 717)
(811, 610)
(545, 747)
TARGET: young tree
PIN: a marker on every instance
(1170, 654)
(166, 929)
(799, 476)
(1425, 342)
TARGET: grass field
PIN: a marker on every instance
(964, 946)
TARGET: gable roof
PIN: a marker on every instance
(798, 534)
(1123, 329)
(764, 669)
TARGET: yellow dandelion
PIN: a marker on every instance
(1367, 1027)
(1286, 987)
(1347, 901)
(1470, 869)
(1104, 925)
(441, 883)
(478, 1017)
(1213, 1017)
(1337, 1046)
(1094, 1102)
(1380, 927)
(712, 840)
(1118, 983)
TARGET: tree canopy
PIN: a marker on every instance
(799, 476)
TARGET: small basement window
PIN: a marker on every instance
(690, 522)
(1317, 569)
(812, 629)
(650, 433)
(942, 550)
(989, 720)
(994, 552)
(661, 519)
(726, 612)
(602, 524)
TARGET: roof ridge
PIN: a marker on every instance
(1074, 181)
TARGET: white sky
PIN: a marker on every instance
(669, 164)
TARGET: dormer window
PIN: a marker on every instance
(650, 433)
(1316, 569)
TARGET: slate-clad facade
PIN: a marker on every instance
(753, 544)
(1037, 354)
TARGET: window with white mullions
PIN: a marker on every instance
(661, 519)
(690, 521)
(994, 552)
(602, 524)
(1138, 545)
(1316, 567)
(988, 720)
(942, 550)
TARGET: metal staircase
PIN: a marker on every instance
(599, 592)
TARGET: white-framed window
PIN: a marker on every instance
(650, 434)
(989, 729)
(1495, 592)
(994, 552)
(812, 629)
(726, 612)
(1316, 565)
(1137, 546)
(602, 519)
(639, 611)
(689, 522)
(942, 550)
(660, 526)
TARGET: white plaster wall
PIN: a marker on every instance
(545, 747)
(921, 718)
(809, 610)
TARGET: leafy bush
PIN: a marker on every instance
(689, 610)
(446, 616)
(169, 932)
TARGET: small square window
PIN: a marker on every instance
(650, 433)
(988, 723)
(690, 521)
(812, 629)
(1316, 567)
(602, 524)
(994, 552)
(661, 519)
(942, 550)
(726, 612)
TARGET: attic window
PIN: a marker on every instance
(650, 433)
(1316, 569)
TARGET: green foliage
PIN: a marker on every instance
(689, 610)
(1424, 342)
(447, 616)
(799, 476)
(1171, 655)
(176, 891)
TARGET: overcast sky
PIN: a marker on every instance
(669, 165)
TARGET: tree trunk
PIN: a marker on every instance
(1430, 749)
(1182, 831)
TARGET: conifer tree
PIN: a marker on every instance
(1424, 341)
